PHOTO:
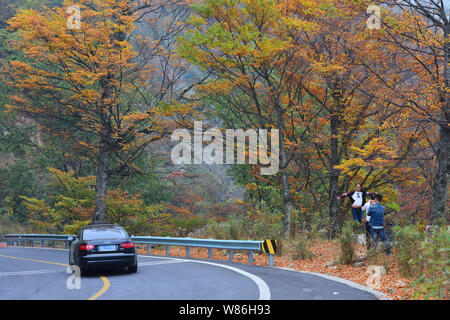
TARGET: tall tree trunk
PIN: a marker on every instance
(101, 183)
(333, 175)
(440, 187)
(105, 151)
(286, 193)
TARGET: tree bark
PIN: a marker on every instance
(105, 151)
(438, 207)
(440, 187)
(101, 184)
(334, 176)
(287, 201)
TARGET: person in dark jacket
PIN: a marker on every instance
(376, 223)
(366, 207)
(358, 199)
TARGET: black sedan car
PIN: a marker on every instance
(102, 245)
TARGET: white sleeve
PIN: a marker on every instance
(365, 207)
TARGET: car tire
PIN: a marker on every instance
(132, 269)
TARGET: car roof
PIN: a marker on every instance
(97, 225)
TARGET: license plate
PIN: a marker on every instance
(109, 247)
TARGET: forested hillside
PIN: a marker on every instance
(87, 117)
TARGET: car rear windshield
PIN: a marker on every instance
(104, 233)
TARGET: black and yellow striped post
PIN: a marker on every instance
(269, 246)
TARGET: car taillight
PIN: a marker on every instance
(86, 247)
(127, 245)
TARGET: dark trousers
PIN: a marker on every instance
(380, 234)
(357, 214)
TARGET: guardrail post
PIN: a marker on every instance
(66, 244)
(42, 243)
(188, 252)
(210, 253)
(149, 249)
(32, 243)
(53, 244)
(167, 250)
(250, 256)
(231, 254)
(271, 260)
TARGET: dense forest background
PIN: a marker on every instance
(86, 115)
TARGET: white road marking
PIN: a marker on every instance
(140, 264)
(264, 291)
(20, 273)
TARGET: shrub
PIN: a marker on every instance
(186, 225)
(233, 229)
(433, 283)
(347, 241)
(407, 249)
(300, 248)
(216, 230)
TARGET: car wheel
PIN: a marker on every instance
(83, 271)
(132, 269)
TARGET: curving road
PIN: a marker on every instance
(40, 273)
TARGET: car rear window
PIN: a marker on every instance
(104, 233)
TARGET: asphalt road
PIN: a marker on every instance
(40, 273)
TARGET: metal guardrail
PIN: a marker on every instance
(231, 245)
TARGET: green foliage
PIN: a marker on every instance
(9, 226)
(407, 249)
(70, 204)
(257, 223)
(74, 227)
(186, 225)
(314, 225)
(216, 230)
(234, 229)
(153, 220)
(300, 248)
(434, 255)
(265, 224)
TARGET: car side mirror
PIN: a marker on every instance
(70, 238)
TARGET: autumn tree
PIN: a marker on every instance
(251, 50)
(70, 203)
(350, 141)
(86, 84)
(419, 31)
(296, 66)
